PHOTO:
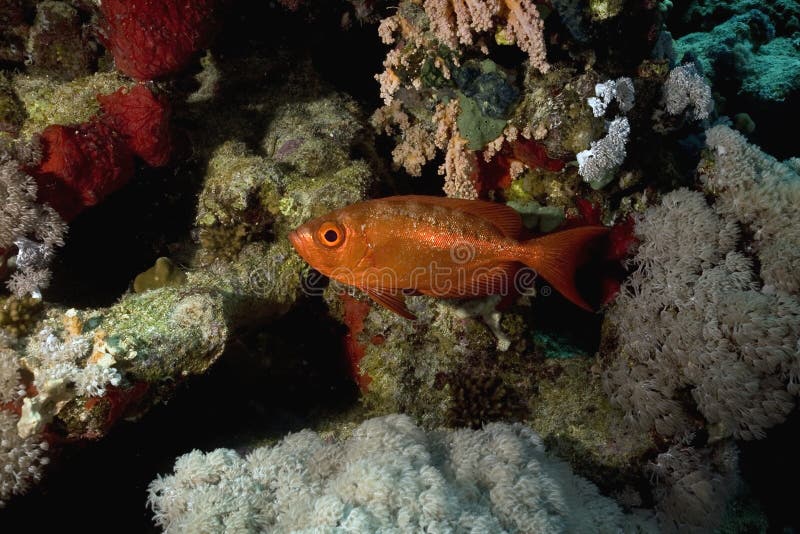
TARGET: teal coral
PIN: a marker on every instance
(746, 47)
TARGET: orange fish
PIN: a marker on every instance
(443, 247)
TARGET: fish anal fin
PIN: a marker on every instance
(505, 218)
(392, 300)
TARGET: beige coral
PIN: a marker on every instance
(456, 21)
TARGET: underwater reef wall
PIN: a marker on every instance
(154, 155)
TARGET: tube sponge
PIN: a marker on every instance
(143, 120)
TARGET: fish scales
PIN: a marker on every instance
(436, 246)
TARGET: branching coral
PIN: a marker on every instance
(455, 21)
(388, 475)
(437, 99)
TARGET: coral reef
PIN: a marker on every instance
(182, 142)
(389, 474)
(467, 365)
(747, 49)
(437, 97)
(693, 320)
(86, 369)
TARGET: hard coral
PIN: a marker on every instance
(81, 165)
(143, 119)
(151, 39)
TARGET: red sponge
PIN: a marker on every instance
(143, 120)
(151, 39)
(80, 166)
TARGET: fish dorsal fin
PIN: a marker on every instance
(505, 218)
(393, 300)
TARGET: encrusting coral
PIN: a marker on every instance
(388, 475)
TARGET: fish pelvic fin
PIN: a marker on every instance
(392, 300)
(557, 257)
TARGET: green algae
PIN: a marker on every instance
(575, 418)
(538, 217)
(48, 101)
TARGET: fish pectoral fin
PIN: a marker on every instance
(393, 300)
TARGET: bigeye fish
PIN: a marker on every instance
(442, 247)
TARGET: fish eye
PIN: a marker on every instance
(331, 234)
